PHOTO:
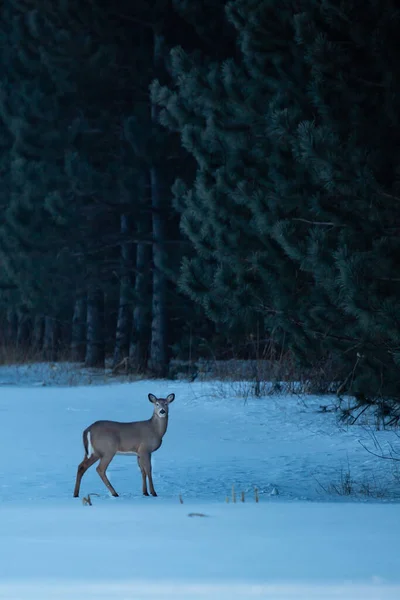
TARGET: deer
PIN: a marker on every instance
(102, 440)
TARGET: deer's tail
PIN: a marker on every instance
(86, 441)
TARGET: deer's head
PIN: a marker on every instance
(161, 405)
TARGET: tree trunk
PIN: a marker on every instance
(124, 320)
(141, 318)
(23, 331)
(51, 339)
(140, 337)
(38, 332)
(158, 346)
(95, 344)
(158, 362)
(78, 334)
(12, 327)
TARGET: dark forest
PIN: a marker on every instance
(185, 180)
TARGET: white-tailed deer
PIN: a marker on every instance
(104, 439)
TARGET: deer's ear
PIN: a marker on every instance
(152, 398)
(170, 398)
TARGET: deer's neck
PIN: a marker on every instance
(160, 425)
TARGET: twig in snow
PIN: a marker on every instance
(86, 500)
(256, 494)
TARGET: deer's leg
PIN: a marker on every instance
(145, 464)
(101, 469)
(87, 462)
(144, 483)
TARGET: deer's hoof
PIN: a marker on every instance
(145, 493)
(153, 494)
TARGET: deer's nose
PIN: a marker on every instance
(162, 412)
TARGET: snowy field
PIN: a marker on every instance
(327, 524)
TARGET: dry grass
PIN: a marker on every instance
(345, 485)
(15, 355)
(272, 372)
(246, 379)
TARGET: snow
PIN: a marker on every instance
(154, 547)
(302, 540)
(53, 374)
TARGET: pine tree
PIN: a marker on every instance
(30, 233)
(350, 151)
(158, 153)
(247, 179)
(51, 217)
(102, 198)
(293, 212)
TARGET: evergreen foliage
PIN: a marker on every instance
(182, 177)
(351, 152)
(246, 180)
(292, 213)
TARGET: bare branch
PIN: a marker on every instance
(355, 419)
(383, 456)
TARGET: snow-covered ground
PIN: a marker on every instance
(155, 550)
(327, 524)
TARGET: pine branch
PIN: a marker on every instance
(132, 19)
(116, 244)
(323, 223)
(389, 195)
(8, 286)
